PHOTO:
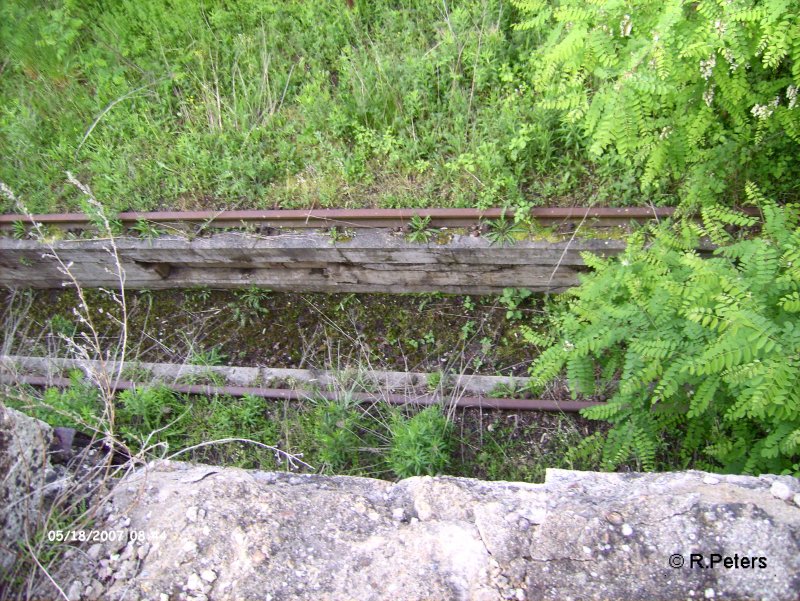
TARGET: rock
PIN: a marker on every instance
(797, 499)
(589, 536)
(194, 583)
(75, 591)
(24, 468)
(142, 551)
(94, 551)
(94, 590)
(780, 490)
(276, 536)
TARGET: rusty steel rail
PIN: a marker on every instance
(300, 218)
(361, 397)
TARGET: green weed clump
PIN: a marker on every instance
(336, 427)
(420, 445)
(700, 357)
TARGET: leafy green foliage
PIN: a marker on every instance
(700, 356)
(512, 299)
(698, 94)
(336, 432)
(421, 444)
(77, 406)
(213, 104)
(502, 231)
(19, 230)
(143, 415)
(418, 230)
(249, 305)
(147, 229)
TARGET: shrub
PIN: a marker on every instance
(700, 356)
(150, 413)
(421, 444)
(699, 93)
(336, 426)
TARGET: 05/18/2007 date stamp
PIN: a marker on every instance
(95, 536)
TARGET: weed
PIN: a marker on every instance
(502, 231)
(19, 230)
(62, 326)
(467, 330)
(340, 234)
(248, 305)
(420, 445)
(418, 231)
(206, 358)
(436, 380)
(147, 230)
(513, 298)
(508, 390)
(144, 413)
(199, 295)
(336, 425)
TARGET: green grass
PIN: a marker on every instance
(334, 436)
(262, 103)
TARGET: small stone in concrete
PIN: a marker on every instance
(75, 591)
(94, 551)
(194, 583)
(781, 491)
(208, 575)
(626, 530)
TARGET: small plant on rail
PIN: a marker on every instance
(419, 231)
(700, 357)
(503, 231)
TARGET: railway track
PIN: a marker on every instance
(361, 397)
(356, 218)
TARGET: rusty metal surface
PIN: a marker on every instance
(353, 217)
(361, 397)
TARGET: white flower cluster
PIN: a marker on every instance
(761, 111)
(720, 27)
(791, 96)
(707, 66)
(665, 132)
(708, 95)
(625, 26)
(734, 64)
